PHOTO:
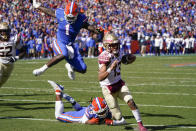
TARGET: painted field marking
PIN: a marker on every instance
(53, 120)
(186, 107)
(87, 90)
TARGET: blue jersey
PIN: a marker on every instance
(67, 32)
(79, 114)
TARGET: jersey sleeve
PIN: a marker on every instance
(58, 13)
(104, 58)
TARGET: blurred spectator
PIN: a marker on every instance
(164, 17)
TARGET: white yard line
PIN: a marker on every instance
(53, 120)
(88, 90)
(164, 106)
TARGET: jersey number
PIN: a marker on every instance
(116, 73)
(5, 51)
(67, 29)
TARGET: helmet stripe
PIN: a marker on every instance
(71, 7)
(98, 103)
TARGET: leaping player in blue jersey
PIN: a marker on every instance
(70, 21)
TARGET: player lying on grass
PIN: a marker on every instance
(96, 113)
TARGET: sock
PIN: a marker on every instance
(59, 107)
(136, 114)
(58, 92)
(44, 68)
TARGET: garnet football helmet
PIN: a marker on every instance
(111, 43)
(4, 31)
(71, 12)
(100, 107)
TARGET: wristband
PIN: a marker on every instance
(109, 70)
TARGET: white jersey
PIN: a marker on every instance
(168, 42)
(107, 58)
(192, 42)
(8, 49)
(159, 42)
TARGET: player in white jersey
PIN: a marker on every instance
(112, 85)
(8, 46)
(192, 44)
(168, 44)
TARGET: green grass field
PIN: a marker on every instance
(165, 95)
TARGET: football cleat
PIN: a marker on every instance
(71, 12)
(142, 128)
(68, 98)
(71, 73)
(37, 72)
(57, 88)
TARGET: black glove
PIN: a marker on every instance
(12, 59)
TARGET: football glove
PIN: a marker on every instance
(12, 59)
(108, 122)
(35, 4)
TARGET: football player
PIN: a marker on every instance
(70, 21)
(112, 85)
(8, 46)
(96, 113)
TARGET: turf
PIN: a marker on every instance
(165, 95)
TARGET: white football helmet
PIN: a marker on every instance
(4, 31)
(111, 43)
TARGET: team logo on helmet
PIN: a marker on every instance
(100, 107)
(109, 41)
(4, 31)
(71, 12)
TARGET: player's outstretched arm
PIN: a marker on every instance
(48, 11)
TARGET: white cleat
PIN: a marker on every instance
(71, 73)
(56, 86)
(37, 72)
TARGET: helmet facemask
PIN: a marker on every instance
(100, 107)
(71, 12)
(102, 113)
(71, 18)
(111, 43)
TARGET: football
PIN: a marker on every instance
(128, 59)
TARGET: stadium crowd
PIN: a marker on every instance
(155, 27)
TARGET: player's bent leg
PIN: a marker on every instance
(125, 95)
(59, 108)
(111, 100)
(77, 63)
